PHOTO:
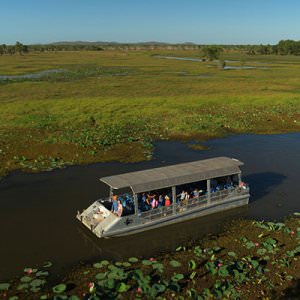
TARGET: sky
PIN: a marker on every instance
(172, 21)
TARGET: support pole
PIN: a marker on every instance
(240, 178)
(136, 208)
(208, 191)
(110, 193)
(174, 199)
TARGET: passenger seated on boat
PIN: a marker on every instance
(114, 207)
(196, 193)
(120, 209)
(243, 185)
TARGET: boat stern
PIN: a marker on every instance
(98, 219)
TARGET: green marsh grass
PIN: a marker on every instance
(111, 99)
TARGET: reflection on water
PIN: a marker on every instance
(31, 75)
(37, 211)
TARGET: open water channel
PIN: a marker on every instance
(37, 211)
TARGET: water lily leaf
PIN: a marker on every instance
(26, 279)
(223, 271)
(4, 286)
(86, 272)
(133, 259)
(146, 262)
(37, 282)
(47, 264)
(35, 289)
(97, 265)
(73, 297)
(297, 214)
(232, 254)
(118, 263)
(30, 270)
(23, 286)
(13, 298)
(101, 276)
(193, 274)
(160, 288)
(271, 241)
(175, 263)
(249, 245)
(42, 273)
(198, 251)
(177, 277)
(158, 266)
(126, 264)
(261, 251)
(110, 283)
(254, 263)
(44, 297)
(192, 264)
(60, 288)
(60, 297)
(123, 287)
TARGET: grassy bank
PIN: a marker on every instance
(111, 105)
(250, 260)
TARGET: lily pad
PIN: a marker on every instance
(60, 288)
(47, 264)
(133, 259)
(146, 262)
(100, 276)
(175, 263)
(177, 277)
(26, 279)
(123, 287)
(126, 264)
(23, 286)
(192, 264)
(73, 297)
(223, 271)
(35, 289)
(232, 254)
(4, 286)
(37, 282)
(42, 273)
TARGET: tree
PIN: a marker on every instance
(19, 48)
(3, 49)
(212, 52)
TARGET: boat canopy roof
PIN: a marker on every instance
(158, 178)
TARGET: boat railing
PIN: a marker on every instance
(218, 196)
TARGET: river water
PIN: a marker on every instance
(31, 75)
(37, 211)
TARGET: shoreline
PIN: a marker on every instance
(124, 153)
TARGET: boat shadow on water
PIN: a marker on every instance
(261, 184)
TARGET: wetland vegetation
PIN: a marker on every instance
(250, 260)
(111, 105)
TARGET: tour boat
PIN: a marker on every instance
(217, 185)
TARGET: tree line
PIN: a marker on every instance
(283, 47)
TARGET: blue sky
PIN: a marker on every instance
(199, 21)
